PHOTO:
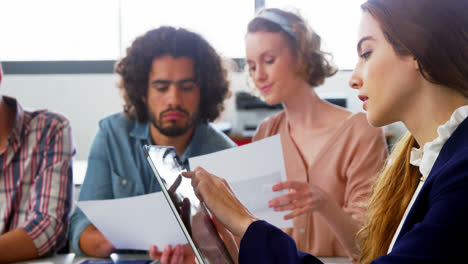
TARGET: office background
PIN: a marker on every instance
(59, 54)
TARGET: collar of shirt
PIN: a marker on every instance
(19, 125)
(425, 157)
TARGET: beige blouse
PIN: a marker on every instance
(346, 164)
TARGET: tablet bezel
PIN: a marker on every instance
(198, 254)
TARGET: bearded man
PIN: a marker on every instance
(173, 84)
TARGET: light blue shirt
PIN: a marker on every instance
(117, 166)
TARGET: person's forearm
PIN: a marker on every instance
(16, 245)
(93, 243)
(344, 227)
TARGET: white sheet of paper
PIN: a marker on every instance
(135, 222)
(251, 170)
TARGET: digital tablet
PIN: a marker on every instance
(193, 217)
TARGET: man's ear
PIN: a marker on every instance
(143, 99)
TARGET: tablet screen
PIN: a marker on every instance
(192, 216)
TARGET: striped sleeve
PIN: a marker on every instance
(50, 201)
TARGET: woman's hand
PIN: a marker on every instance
(301, 199)
(304, 198)
(219, 198)
(180, 254)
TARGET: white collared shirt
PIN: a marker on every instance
(425, 158)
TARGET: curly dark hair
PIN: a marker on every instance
(134, 70)
(313, 64)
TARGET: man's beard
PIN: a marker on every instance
(172, 130)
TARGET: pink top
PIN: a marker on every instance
(349, 157)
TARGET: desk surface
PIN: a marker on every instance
(72, 259)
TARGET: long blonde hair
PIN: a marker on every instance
(392, 194)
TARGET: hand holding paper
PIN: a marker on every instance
(251, 171)
(135, 222)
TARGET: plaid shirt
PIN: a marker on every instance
(36, 178)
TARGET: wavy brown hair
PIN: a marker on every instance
(391, 195)
(435, 33)
(135, 67)
(305, 47)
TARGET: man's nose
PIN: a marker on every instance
(174, 97)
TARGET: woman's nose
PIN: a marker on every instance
(355, 81)
(260, 74)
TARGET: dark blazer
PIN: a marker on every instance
(435, 231)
